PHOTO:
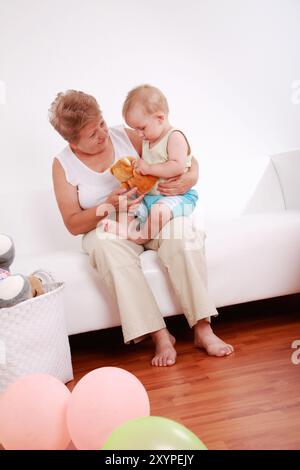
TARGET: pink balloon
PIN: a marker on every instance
(100, 402)
(33, 414)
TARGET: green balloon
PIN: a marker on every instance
(153, 433)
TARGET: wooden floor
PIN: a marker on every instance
(249, 400)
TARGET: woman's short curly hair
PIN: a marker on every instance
(71, 111)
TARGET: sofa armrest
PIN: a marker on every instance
(279, 187)
(287, 166)
(268, 195)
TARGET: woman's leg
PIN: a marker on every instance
(118, 264)
(181, 249)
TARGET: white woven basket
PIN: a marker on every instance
(34, 339)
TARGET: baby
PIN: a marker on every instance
(166, 154)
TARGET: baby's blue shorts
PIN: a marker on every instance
(182, 205)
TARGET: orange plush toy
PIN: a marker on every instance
(124, 171)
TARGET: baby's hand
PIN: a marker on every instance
(141, 167)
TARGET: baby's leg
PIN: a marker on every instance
(160, 214)
(124, 223)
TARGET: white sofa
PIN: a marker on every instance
(250, 257)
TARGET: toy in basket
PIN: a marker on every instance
(33, 332)
(15, 288)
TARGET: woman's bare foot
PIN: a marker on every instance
(205, 338)
(165, 354)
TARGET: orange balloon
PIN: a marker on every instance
(33, 414)
(100, 402)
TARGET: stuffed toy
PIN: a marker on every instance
(15, 288)
(124, 171)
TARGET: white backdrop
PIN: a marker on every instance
(230, 69)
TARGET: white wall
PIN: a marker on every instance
(227, 67)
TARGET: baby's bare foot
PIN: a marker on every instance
(165, 353)
(205, 338)
(115, 228)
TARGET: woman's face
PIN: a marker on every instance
(93, 137)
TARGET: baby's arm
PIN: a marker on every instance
(177, 152)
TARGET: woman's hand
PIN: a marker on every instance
(177, 185)
(121, 199)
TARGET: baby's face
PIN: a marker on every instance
(148, 126)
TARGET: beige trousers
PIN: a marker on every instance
(180, 248)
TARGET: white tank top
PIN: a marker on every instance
(93, 187)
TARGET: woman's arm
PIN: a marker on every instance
(180, 184)
(76, 219)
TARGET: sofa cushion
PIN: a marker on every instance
(249, 258)
(255, 256)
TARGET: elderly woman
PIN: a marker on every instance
(85, 189)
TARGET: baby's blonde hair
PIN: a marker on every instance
(149, 97)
